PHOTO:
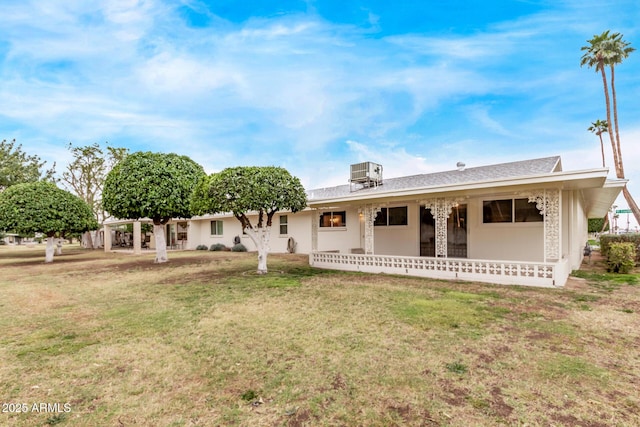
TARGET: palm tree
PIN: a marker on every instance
(599, 127)
(597, 55)
(618, 50)
(608, 50)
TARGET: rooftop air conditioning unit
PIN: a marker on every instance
(367, 173)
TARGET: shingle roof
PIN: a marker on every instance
(510, 170)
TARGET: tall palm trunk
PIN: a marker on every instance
(606, 216)
(617, 150)
(632, 203)
(608, 103)
(619, 166)
(605, 223)
(602, 148)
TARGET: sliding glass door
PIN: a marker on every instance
(456, 232)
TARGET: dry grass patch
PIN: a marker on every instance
(204, 341)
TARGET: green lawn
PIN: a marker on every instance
(112, 339)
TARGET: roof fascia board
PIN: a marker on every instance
(558, 178)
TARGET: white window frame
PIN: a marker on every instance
(284, 222)
(342, 214)
(219, 228)
(386, 209)
(513, 212)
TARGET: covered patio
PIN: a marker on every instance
(553, 270)
(137, 241)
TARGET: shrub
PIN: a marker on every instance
(239, 247)
(201, 248)
(621, 257)
(218, 247)
(607, 239)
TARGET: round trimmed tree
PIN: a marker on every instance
(242, 190)
(150, 185)
(41, 207)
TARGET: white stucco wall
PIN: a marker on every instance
(513, 241)
(200, 231)
(298, 227)
(399, 239)
(506, 241)
(341, 239)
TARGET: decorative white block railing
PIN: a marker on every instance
(489, 271)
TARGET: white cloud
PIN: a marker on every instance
(394, 158)
(185, 76)
(290, 89)
(479, 46)
(479, 114)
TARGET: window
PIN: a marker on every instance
(333, 219)
(182, 231)
(284, 225)
(510, 210)
(526, 211)
(391, 216)
(497, 211)
(216, 228)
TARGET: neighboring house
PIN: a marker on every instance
(16, 239)
(512, 223)
(12, 239)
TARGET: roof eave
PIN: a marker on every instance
(598, 201)
(591, 178)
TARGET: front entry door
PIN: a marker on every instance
(456, 232)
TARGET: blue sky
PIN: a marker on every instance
(314, 86)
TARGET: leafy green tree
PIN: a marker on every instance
(598, 225)
(42, 207)
(85, 176)
(18, 167)
(608, 50)
(152, 185)
(244, 190)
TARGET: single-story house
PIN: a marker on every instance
(521, 222)
(12, 239)
(16, 239)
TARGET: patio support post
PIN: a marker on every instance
(370, 212)
(107, 238)
(315, 222)
(548, 203)
(137, 238)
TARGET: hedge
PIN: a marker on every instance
(621, 257)
(607, 239)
